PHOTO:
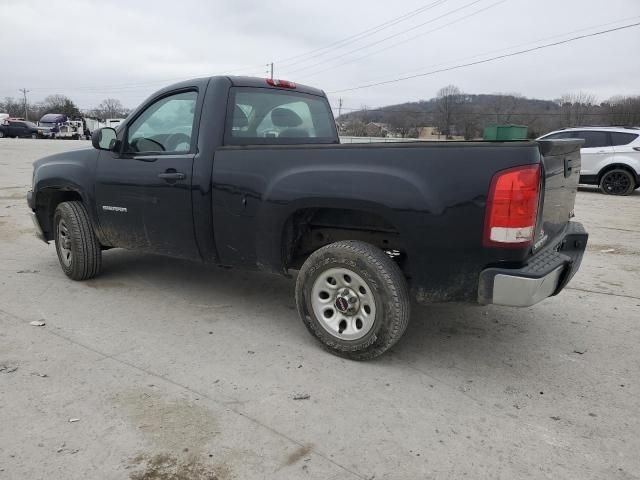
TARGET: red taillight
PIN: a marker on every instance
(281, 83)
(512, 207)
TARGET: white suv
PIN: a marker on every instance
(610, 156)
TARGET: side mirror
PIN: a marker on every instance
(104, 139)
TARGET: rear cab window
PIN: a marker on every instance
(265, 116)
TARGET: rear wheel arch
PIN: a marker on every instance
(308, 229)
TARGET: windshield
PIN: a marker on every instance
(262, 116)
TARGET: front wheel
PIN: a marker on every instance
(617, 182)
(354, 299)
(76, 244)
(34, 136)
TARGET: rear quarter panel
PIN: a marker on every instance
(433, 194)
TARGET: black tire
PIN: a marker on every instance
(77, 246)
(388, 289)
(34, 136)
(617, 182)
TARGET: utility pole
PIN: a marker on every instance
(339, 107)
(24, 93)
(271, 68)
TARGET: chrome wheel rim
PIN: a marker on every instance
(64, 243)
(343, 303)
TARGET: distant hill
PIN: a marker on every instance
(467, 114)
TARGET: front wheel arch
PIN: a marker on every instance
(47, 200)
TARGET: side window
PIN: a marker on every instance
(165, 126)
(594, 138)
(619, 138)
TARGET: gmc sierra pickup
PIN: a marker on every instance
(249, 173)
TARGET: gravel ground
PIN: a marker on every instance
(165, 369)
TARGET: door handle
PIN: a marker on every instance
(171, 176)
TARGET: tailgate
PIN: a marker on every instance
(561, 161)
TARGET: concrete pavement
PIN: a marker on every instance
(179, 370)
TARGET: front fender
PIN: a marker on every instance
(72, 171)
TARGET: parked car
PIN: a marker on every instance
(248, 172)
(19, 128)
(610, 157)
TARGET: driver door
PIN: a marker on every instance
(143, 192)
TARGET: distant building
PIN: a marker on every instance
(432, 133)
(375, 129)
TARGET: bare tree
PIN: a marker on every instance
(111, 108)
(15, 108)
(404, 123)
(576, 107)
(356, 128)
(504, 106)
(623, 110)
(448, 105)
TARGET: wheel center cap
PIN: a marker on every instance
(347, 301)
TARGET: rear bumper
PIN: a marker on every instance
(545, 274)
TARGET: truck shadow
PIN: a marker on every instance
(448, 336)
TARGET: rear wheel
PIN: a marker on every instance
(77, 246)
(617, 182)
(354, 299)
(34, 136)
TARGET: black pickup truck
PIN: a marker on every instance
(250, 173)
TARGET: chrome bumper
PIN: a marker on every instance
(545, 274)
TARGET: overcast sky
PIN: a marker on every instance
(127, 49)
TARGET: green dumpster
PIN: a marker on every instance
(505, 132)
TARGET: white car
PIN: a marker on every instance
(610, 156)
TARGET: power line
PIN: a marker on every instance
(377, 42)
(627, 19)
(406, 40)
(360, 35)
(506, 55)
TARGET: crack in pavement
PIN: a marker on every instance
(602, 293)
(220, 403)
